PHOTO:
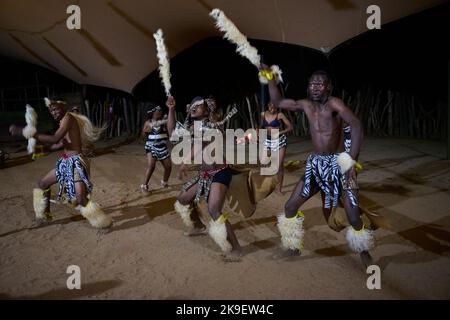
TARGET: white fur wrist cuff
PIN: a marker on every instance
(276, 72)
(345, 162)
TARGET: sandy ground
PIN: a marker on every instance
(147, 256)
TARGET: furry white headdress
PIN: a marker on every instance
(163, 60)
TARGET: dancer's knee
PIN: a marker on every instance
(183, 199)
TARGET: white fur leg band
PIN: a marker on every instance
(292, 231)
(95, 215)
(40, 203)
(345, 162)
(360, 240)
(185, 213)
(218, 231)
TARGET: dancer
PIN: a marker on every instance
(156, 146)
(276, 140)
(328, 169)
(72, 169)
(211, 182)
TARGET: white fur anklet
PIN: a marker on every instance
(360, 240)
(95, 215)
(185, 213)
(292, 231)
(218, 231)
(40, 203)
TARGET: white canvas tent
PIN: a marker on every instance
(115, 47)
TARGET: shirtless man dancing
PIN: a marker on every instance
(329, 169)
(72, 169)
(211, 182)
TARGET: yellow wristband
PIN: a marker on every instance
(266, 73)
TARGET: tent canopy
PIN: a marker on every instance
(115, 47)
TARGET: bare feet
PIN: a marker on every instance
(233, 256)
(164, 184)
(366, 259)
(196, 232)
(104, 231)
(286, 254)
(40, 222)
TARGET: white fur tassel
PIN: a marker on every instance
(30, 130)
(360, 241)
(39, 202)
(218, 232)
(345, 162)
(292, 232)
(163, 60)
(31, 145)
(185, 213)
(233, 34)
(95, 215)
(30, 116)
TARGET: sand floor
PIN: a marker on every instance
(146, 256)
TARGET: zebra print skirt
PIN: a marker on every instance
(158, 149)
(71, 169)
(323, 172)
(276, 144)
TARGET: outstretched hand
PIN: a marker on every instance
(170, 103)
(15, 130)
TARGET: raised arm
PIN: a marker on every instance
(275, 96)
(349, 117)
(171, 119)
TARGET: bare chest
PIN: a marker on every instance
(323, 120)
